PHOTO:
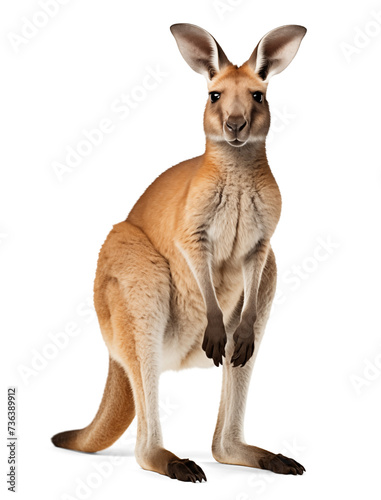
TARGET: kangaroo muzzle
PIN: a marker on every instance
(236, 130)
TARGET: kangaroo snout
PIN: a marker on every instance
(236, 124)
(236, 130)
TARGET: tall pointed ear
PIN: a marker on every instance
(199, 49)
(276, 50)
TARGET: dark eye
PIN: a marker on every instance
(257, 96)
(214, 96)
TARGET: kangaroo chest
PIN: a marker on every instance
(242, 216)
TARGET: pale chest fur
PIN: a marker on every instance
(243, 213)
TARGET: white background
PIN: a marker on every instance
(315, 393)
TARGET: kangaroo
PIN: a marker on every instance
(189, 277)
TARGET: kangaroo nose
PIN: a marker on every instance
(236, 123)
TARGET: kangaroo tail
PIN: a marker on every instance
(116, 412)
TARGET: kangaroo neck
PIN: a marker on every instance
(230, 160)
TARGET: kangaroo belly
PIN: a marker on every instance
(182, 343)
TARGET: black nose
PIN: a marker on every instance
(236, 123)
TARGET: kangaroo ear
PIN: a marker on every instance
(199, 49)
(276, 50)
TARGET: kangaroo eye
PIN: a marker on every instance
(258, 96)
(214, 96)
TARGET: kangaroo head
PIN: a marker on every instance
(237, 111)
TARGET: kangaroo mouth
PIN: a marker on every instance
(236, 143)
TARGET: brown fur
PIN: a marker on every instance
(110, 421)
(191, 271)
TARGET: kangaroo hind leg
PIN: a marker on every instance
(138, 303)
(228, 441)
